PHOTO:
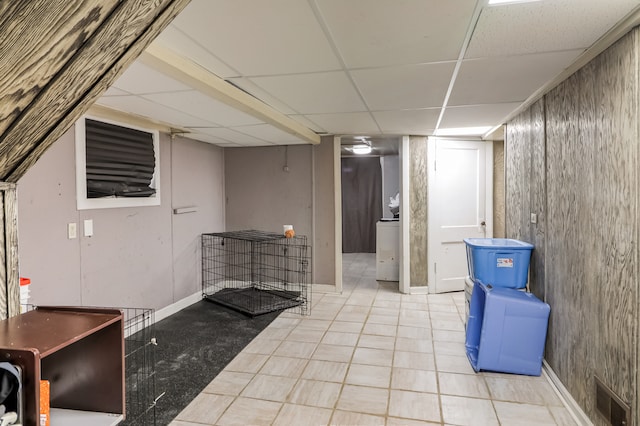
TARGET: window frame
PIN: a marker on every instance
(84, 203)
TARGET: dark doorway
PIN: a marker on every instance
(361, 203)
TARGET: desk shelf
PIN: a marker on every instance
(80, 351)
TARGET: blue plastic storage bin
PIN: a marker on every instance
(500, 262)
(506, 330)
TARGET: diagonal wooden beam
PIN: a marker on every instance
(38, 38)
(117, 42)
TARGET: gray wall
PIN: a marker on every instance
(138, 257)
(390, 181)
(573, 159)
(261, 195)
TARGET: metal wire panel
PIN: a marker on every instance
(140, 366)
(256, 272)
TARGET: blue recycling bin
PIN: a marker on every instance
(501, 262)
(506, 330)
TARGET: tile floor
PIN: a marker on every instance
(369, 356)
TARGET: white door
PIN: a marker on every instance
(460, 206)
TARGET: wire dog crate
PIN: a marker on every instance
(140, 366)
(256, 272)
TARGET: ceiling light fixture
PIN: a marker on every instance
(361, 149)
(501, 2)
(463, 131)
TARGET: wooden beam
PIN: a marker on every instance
(117, 42)
(38, 38)
(10, 292)
(194, 75)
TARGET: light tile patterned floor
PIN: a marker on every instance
(370, 356)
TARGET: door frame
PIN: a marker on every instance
(432, 200)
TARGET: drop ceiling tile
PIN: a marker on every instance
(250, 87)
(140, 79)
(406, 87)
(315, 93)
(308, 123)
(477, 115)
(507, 79)
(114, 91)
(145, 108)
(268, 133)
(232, 136)
(204, 107)
(346, 123)
(260, 37)
(397, 32)
(544, 26)
(174, 39)
(408, 122)
(208, 139)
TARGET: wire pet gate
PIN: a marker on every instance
(140, 366)
(256, 272)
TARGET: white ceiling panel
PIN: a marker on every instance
(544, 26)
(480, 115)
(268, 133)
(507, 79)
(308, 123)
(397, 32)
(315, 93)
(145, 108)
(114, 91)
(208, 138)
(232, 136)
(407, 87)
(362, 67)
(257, 92)
(140, 79)
(347, 123)
(260, 37)
(202, 106)
(416, 121)
(174, 39)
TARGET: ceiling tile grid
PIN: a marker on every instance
(395, 32)
(362, 67)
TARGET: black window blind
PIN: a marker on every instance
(120, 161)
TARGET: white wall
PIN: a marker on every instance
(138, 257)
(390, 181)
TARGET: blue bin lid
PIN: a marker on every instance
(498, 243)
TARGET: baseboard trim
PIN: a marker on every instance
(572, 406)
(424, 289)
(175, 307)
(323, 288)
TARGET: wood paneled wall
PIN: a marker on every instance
(58, 57)
(418, 216)
(498, 190)
(572, 158)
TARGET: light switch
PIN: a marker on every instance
(88, 227)
(534, 218)
(72, 230)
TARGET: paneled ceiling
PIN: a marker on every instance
(273, 72)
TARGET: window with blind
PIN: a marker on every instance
(117, 165)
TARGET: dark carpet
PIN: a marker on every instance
(194, 345)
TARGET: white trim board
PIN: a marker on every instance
(572, 406)
(175, 307)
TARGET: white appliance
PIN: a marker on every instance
(387, 249)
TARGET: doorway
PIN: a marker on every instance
(361, 203)
(460, 190)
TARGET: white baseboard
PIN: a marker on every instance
(572, 406)
(171, 309)
(323, 288)
(424, 289)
